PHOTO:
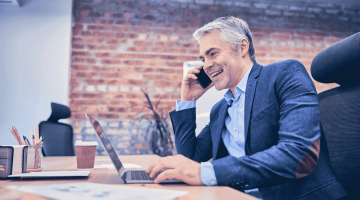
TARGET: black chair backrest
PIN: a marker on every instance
(340, 109)
(58, 136)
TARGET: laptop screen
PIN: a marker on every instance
(107, 145)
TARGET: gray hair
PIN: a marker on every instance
(232, 30)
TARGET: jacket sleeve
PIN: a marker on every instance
(297, 151)
(196, 148)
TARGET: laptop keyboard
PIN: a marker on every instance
(141, 175)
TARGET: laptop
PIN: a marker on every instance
(126, 176)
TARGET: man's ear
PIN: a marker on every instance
(243, 47)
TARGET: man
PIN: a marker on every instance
(264, 136)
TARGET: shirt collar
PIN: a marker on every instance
(241, 87)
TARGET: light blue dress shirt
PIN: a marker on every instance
(233, 136)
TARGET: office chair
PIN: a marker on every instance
(340, 109)
(58, 136)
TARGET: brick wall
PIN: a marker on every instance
(120, 47)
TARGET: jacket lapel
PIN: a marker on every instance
(249, 95)
(218, 127)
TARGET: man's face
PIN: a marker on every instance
(220, 62)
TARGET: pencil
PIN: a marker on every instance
(12, 132)
(18, 136)
(31, 138)
(26, 140)
(37, 131)
(42, 141)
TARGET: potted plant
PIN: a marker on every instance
(157, 129)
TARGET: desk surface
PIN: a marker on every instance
(109, 176)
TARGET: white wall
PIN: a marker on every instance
(34, 63)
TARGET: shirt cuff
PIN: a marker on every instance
(207, 174)
(182, 105)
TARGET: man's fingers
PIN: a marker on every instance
(150, 168)
(191, 76)
(193, 71)
(167, 174)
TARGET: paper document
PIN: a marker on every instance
(92, 191)
(111, 166)
(54, 174)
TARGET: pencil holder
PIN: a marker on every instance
(34, 158)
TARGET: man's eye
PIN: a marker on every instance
(212, 53)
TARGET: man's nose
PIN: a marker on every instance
(207, 65)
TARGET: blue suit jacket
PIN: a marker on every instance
(286, 152)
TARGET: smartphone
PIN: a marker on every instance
(203, 78)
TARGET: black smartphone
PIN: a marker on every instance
(203, 78)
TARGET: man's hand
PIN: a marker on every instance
(176, 167)
(190, 88)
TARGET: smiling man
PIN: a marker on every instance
(264, 137)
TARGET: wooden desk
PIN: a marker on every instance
(110, 176)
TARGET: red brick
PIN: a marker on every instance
(94, 108)
(262, 48)
(110, 75)
(175, 64)
(80, 67)
(195, 20)
(129, 116)
(311, 57)
(83, 7)
(282, 49)
(178, 50)
(124, 69)
(128, 15)
(95, 27)
(78, 46)
(75, 39)
(187, 58)
(155, 63)
(74, 108)
(103, 54)
(117, 109)
(85, 101)
(84, 13)
(305, 33)
(161, 96)
(175, 96)
(124, 22)
(80, 116)
(95, 81)
(114, 95)
(108, 115)
(116, 41)
(142, 43)
(133, 62)
(174, 77)
(138, 49)
(135, 96)
(80, 53)
(280, 36)
(143, 69)
(180, 71)
(136, 82)
(153, 76)
(164, 44)
(74, 81)
(138, 109)
(279, 55)
(290, 32)
(78, 26)
(86, 74)
(147, 56)
(131, 35)
(316, 50)
(125, 55)
(303, 50)
(90, 60)
(107, 61)
(73, 73)
(74, 95)
(167, 57)
(162, 83)
(109, 102)
(85, 33)
(193, 51)
(332, 39)
(186, 45)
(176, 83)
(164, 70)
(98, 68)
(291, 55)
(134, 102)
(93, 40)
(157, 50)
(260, 54)
(91, 95)
(78, 59)
(303, 38)
(132, 76)
(116, 82)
